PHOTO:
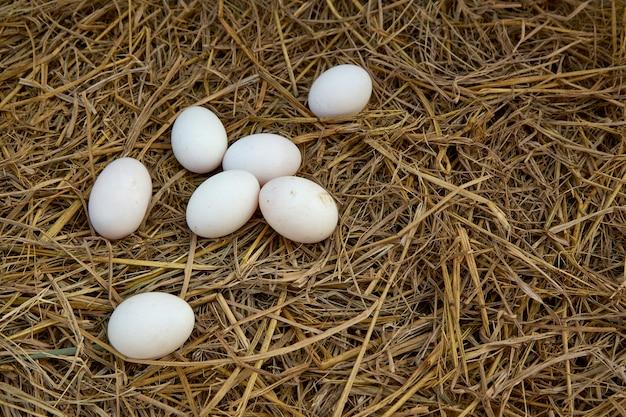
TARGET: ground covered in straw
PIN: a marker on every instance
(478, 268)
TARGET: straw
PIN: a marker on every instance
(478, 268)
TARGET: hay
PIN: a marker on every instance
(478, 269)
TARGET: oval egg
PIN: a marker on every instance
(298, 209)
(150, 325)
(223, 203)
(119, 198)
(199, 139)
(264, 155)
(343, 90)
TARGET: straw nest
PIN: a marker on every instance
(478, 269)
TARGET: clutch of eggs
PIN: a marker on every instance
(258, 171)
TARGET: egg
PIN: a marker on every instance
(150, 325)
(264, 155)
(119, 198)
(199, 139)
(343, 90)
(298, 209)
(223, 203)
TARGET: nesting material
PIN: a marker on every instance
(478, 268)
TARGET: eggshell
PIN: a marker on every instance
(119, 198)
(223, 203)
(298, 209)
(150, 325)
(264, 155)
(199, 139)
(343, 90)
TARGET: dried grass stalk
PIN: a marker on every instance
(478, 269)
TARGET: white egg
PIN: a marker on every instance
(119, 198)
(343, 90)
(150, 325)
(298, 209)
(199, 139)
(223, 203)
(264, 155)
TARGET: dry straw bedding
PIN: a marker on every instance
(478, 268)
